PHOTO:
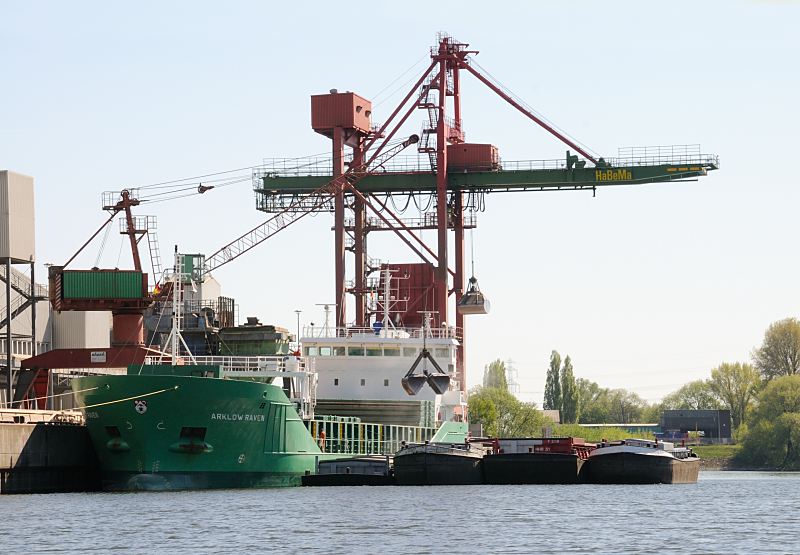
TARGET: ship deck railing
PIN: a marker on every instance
(314, 333)
(354, 437)
(254, 365)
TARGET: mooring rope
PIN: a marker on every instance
(129, 398)
(53, 396)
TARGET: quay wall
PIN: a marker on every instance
(46, 458)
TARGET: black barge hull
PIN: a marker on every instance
(532, 468)
(632, 468)
(437, 469)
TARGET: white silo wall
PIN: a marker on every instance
(81, 330)
(17, 229)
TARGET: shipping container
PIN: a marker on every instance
(17, 226)
(346, 110)
(103, 284)
(472, 157)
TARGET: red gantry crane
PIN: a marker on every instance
(456, 177)
(359, 186)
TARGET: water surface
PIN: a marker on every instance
(725, 512)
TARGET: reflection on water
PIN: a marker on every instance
(726, 512)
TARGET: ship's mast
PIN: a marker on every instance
(177, 305)
(175, 339)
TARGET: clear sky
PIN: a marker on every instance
(644, 287)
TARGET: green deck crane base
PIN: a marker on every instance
(501, 180)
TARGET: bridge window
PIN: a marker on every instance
(338, 351)
(443, 353)
(355, 351)
(311, 351)
(324, 351)
(374, 351)
(391, 351)
(409, 352)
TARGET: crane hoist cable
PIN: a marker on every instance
(517, 98)
(396, 79)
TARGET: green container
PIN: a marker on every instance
(102, 284)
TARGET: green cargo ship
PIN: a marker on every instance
(229, 425)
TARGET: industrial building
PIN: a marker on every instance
(28, 323)
(713, 424)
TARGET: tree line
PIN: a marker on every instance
(763, 397)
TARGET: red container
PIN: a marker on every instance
(347, 110)
(413, 283)
(472, 157)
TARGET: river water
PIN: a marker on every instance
(725, 512)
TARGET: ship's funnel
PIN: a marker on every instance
(439, 383)
(412, 384)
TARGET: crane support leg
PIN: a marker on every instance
(338, 249)
(441, 195)
(458, 287)
(359, 250)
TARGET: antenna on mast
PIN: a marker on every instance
(327, 308)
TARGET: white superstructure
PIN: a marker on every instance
(368, 364)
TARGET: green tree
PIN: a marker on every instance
(625, 406)
(481, 409)
(552, 385)
(594, 402)
(652, 413)
(503, 415)
(696, 395)
(570, 398)
(772, 437)
(779, 354)
(494, 375)
(737, 385)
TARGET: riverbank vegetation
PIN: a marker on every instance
(763, 398)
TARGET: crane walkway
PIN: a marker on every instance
(279, 179)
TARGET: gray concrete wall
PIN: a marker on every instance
(41, 458)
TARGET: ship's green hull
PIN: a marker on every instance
(171, 432)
